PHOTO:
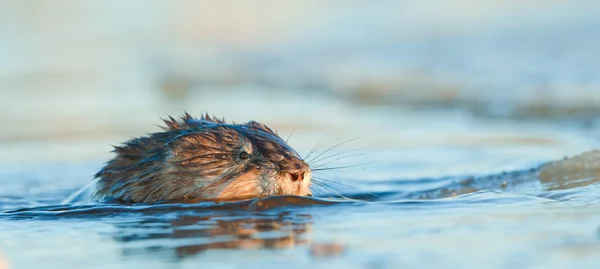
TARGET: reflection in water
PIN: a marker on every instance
(326, 250)
(3, 264)
(183, 230)
(189, 235)
(179, 231)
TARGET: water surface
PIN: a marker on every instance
(488, 202)
(458, 108)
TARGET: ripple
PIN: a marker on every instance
(569, 180)
(102, 210)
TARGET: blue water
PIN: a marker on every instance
(533, 217)
(463, 111)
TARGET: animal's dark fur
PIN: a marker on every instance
(199, 159)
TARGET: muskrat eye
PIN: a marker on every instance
(244, 155)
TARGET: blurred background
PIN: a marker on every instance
(77, 76)
(435, 91)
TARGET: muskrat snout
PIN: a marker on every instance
(295, 179)
(299, 172)
(295, 176)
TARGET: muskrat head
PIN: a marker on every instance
(204, 159)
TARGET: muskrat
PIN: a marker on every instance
(198, 159)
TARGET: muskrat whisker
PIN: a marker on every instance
(346, 185)
(317, 146)
(314, 190)
(331, 181)
(328, 186)
(332, 155)
(290, 136)
(323, 192)
(337, 159)
(266, 188)
(340, 167)
(335, 146)
(331, 189)
(335, 168)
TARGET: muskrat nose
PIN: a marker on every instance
(295, 176)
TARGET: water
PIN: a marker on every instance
(459, 115)
(421, 199)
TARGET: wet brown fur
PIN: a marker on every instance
(199, 159)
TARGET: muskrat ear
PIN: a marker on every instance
(261, 127)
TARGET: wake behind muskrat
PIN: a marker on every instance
(198, 159)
